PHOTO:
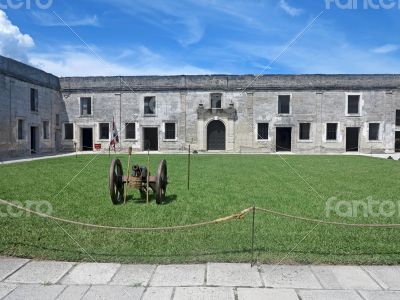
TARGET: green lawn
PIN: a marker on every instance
(220, 185)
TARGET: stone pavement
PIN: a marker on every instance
(29, 279)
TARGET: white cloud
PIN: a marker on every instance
(13, 43)
(73, 61)
(385, 49)
(50, 20)
(290, 9)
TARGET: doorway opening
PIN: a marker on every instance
(150, 139)
(283, 139)
(87, 139)
(34, 140)
(352, 139)
(216, 135)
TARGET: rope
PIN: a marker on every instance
(326, 222)
(236, 216)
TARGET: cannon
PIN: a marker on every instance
(139, 179)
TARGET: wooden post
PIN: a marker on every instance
(148, 174)
(253, 262)
(188, 170)
(76, 153)
(127, 174)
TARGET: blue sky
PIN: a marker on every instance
(155, 37)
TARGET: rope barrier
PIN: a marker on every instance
(325, 222)
(236, 216)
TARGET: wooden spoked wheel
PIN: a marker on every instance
(115, 182)
(161, 182)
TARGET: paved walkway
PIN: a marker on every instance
(28, 279)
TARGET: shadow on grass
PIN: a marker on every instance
(137, 199)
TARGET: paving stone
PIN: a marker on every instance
(328, 295)
(73, 292)
(204, 293)
(114, 292)
(35, 292)
(158, 293)
(380, 295)
(289, 277)
(134, 275)
(344, 277)
(266, 294)
(91, 273)
(178, 275)
(387, 276)
(233, 275)
(10, 265)
(6, 288)
(41, 272)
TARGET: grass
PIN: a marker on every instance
(220, 185)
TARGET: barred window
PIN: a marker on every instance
(86, 106)
(68, 131)
(284, 104)
(374, 131)
(331, 131)
(305, 131)
(21, 129)
(353, 104)
(216, 101)
(34, 100)
(130, 131)
(104, 129)
(170, 131)
(262, 131)
(149, 105)
(397, 117)
(46, 130)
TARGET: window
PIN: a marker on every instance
(69, 131)
(34, 100)
(397, 117)
(86, 106)
(284, 104)
(216, 101)
(353, 104)
(130, 131)
(149, 105)
(304, 131)
(104, 131)
(374, 131)
(21, 129)
(57, 120)
(331, 131)
(170, 131)
(46, 130)
(262, 131)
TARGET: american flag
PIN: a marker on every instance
(115, 137)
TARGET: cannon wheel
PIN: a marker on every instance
(161, 182)
(115, 182)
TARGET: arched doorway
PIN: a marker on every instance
(216, 136)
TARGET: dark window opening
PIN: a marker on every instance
(46, 130)
(150, 105)
(21, 130)
(216, 100)
(397, 141)
(305, 131)
(331, 131)
(104, 131)
(170, 131)
(262, 131)
(284, 104)
(57, 120)
(397, 117)
(86, 106)
(353, 104)
(69, 131)
(130, 131)
(34, 100)
(374, 131)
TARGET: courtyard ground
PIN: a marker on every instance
(220, 185)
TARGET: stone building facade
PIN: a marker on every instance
(230, 113)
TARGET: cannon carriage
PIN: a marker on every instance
(139, 179)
